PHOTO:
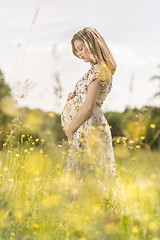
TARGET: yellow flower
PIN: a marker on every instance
(35, 225)
(5, 169)
(152, 125)
(153, 176)
(51, 114)
(37, 139)
(153, 226)
(138, 146)
(118, 140)
(81, 139)
(13, 234)
(135, 229)
(142, 137)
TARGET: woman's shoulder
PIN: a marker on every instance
(101, 71)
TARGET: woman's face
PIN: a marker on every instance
(82, 50)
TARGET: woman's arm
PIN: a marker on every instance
(85, 110)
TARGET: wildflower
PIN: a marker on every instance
(138, 146)
(153, 226)
(18, 214)
(37, 139)
(4, 144)
(51, 114)
(142, 137)
(35, 225)
(52, 201)
(110, 127)
(131, 141)
(60, 146)
(5, 169)
(25, 150)
(81, 139)
(23, 135)
(152, 125)
(153, 176)
(13, 234)
(135, 229)
(59, 165)
(17, 155)
(31, 149)
(70, 150)
(118, 140)
(58, 173)
(82, 238)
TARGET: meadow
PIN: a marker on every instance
(39, 201)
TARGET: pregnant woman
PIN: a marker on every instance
(82, 118)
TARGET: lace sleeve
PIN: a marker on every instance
(102, 73)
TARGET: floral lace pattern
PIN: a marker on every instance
(96, 120)
(94, 135)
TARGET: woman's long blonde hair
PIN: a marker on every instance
(97, 48)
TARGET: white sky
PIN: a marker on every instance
(131, 31)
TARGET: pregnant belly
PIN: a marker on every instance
(70, 110)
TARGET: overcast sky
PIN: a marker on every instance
(32, 29)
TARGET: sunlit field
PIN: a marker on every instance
(39, 201)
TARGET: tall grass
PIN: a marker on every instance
(39, 200)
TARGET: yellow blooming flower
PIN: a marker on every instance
(142, 137)
(13, 234)
(23, 135)
(152, 125)
(153, 176)
(5, 169)
(118, 140)
(110, 127)
(4, 144)
(35, 225)
(25, 150)
(81, 139)
(135, 229)
(37, 139)
(51, 114)
(153, 226)
(138, 146)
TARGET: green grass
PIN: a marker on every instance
(40, 202)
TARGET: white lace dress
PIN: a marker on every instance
(93, 138)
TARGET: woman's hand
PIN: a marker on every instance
(71, 95)
(68, 132)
